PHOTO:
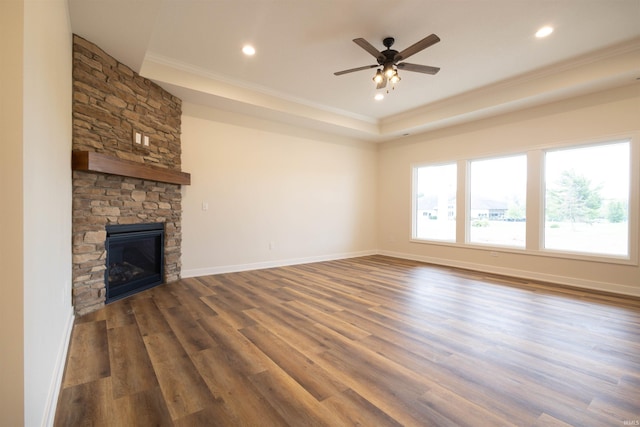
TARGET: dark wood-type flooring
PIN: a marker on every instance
(372, 341)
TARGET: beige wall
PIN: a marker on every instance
(48, 315)
(276, 195)
(11, 307)
(595, 117)
(35, 124)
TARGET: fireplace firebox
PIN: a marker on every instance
(135, 259)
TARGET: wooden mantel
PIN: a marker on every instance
(90, 161)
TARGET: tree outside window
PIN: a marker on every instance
(587, 199)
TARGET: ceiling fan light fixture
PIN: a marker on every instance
(395, 78)
(378, 77)
(389, 71)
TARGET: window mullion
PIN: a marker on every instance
(462, 196)
(535, 200)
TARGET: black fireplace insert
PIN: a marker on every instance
(135, 258)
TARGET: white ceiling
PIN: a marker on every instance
(490, 60)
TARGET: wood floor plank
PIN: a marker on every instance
(303, 370)
(449, 408)
(230, 314)
(292, 327)
(86, 404)
(161, 295)
(351, 409)
(255, 294)
(184, 390)
(131, 370)
(239, 399)
(395, 343)
(141, 409)
(196, 287)
(214, 414)
(616, 406)
(186, 328)
(88, 353)
(239, 352)
(546, 420)
(344, 328)
(148, 316)
(364, 341)
(119, 314)
(193, 301)
(388, 385)
(277, 388)
(162, 346)
(225, 293)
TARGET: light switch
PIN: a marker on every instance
(146, 140)
(137, 137)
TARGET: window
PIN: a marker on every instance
(498, 193)
(587, 199)
(582, 198)
(435, 202)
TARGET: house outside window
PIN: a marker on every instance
(497, 194)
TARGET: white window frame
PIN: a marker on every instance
(634, 204)
(467, 214)
(535, 199)
(414, 207)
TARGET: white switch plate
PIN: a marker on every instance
(137, 137)
(146, 140)
(205, 206)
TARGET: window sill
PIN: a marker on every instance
(575, 256)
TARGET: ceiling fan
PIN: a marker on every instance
(389, 60)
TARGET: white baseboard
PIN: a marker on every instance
(530, 275)
(196, 272)
(56, 381)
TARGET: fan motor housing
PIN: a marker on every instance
(389, 56)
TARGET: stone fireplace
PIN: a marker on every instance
(111, 105)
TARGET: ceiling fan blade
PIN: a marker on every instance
(417, 47)
(425, 69)
(351, 70)
(382, 84)
(369, 48)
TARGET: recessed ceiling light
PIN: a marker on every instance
(248, 50)
(378, 97)
(544, 32)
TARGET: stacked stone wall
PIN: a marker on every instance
(110, 102)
